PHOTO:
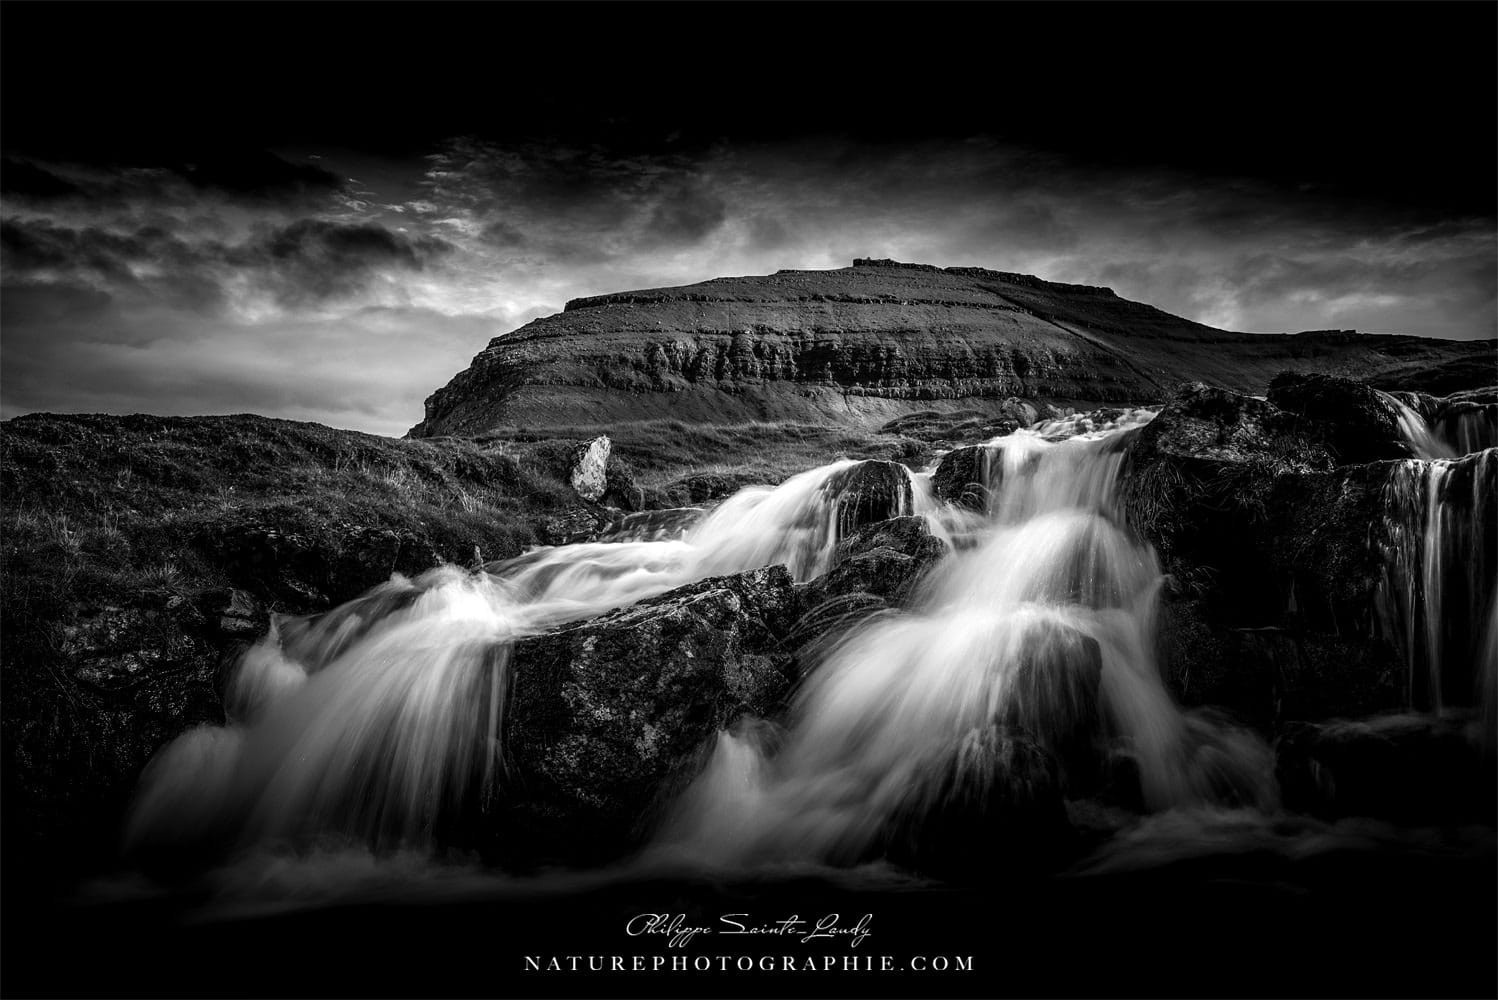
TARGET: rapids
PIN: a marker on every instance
(1044, 630)
(379, 721)
(375, 725)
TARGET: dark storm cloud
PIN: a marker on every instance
(24, 179)
(314, 260)
(574, 205)
(259, 175)
(305, 263)
(247, 177)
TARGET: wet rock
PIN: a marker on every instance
(1268, 675)
(1269, 544)
(1409, 769)
(1218, 427)
(126, 679)
(968, 426)
(1467, 422)
(590, 468)
(884, 561)
(1053, 698)
(1197, 481)
(962, 477)
(1356, 421)
(574, 523)
(652, 525)
(701, 488)
(620, 491)
(868, 492)
(304, 565)
(998, 810)
(602, 712)
(235, 614)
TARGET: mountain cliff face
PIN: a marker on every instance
(864, 344)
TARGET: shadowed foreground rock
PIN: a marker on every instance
(1356, 422)
(997, 811)
(603, 712)
(1404, 768)
(1275, 548)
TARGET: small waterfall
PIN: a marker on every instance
(378, 722)
(1044, 632)
(1419, 436)
(1467, 427)
(1439, 536)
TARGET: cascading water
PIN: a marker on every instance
(1422, 439)
(1468, 427)
(1043, 632)
(1449, 428)
(379, 721)
(1438, 589)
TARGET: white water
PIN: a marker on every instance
(379, 721)
(1418, 435)
(1456, 428)
(1438, 590)
(1045, 628)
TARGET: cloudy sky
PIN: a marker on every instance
(323, 213)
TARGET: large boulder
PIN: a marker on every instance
(1273, 553)
(945, 429)
(126, 678)
(997, 810)
(883, 560)
(1196, 483)
(604, 712)
(868, 492)
(1053, 698)
(1266, 676)
(963, 475)
(1411, 769)
(590, 468)
(1357, 422)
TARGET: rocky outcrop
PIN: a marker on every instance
(864, 345)
(1405, 768)
(968, 426)
(1356, 422)
(964, 476)
(603, 713)
(998, 810)
(868, 492)
(1278, 550)
(881, 562)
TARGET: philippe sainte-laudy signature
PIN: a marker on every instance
(679, 931)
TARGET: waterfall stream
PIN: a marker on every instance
(378, 720)
(1043, 632)
(1028, 648)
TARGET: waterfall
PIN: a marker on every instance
(1043, 632)
(1445, 428)
(1437, 591)
(1419, 437)
(378, 722)
(1468, 427)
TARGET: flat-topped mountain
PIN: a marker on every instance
(864, 344)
